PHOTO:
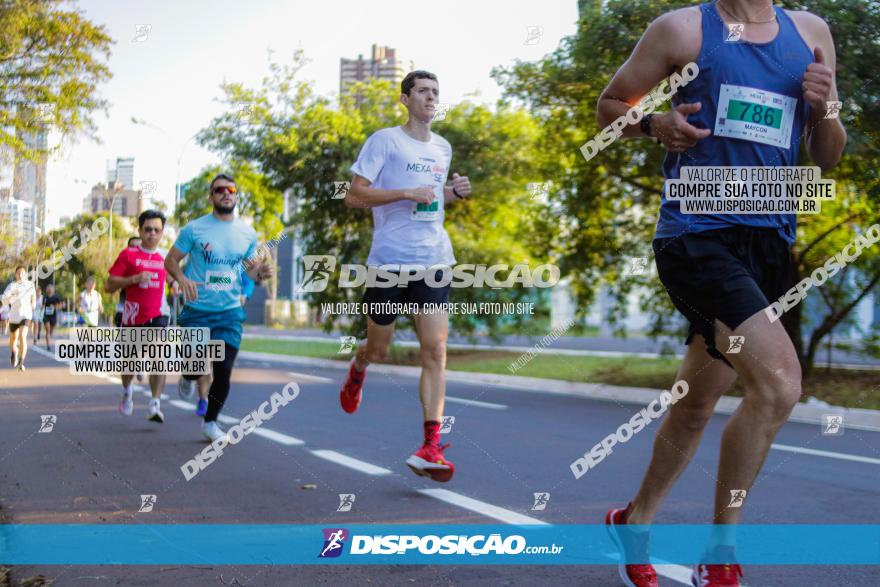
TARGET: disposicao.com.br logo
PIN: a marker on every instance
(318, 270)
(450, 544)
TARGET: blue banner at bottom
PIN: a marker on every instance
(357, 544)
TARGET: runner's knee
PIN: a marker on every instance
(376, 354)
(692, 416)
(778, 390)
(433, 353)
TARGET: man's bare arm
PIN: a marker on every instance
(826, 137)
(361, 195)
(656, 57)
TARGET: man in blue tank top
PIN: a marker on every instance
(722, 270)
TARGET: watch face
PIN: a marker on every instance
(646, 124)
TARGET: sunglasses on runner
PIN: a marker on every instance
(223, 189)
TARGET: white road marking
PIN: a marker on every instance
(481, 507)
(346, 461)
(278, 437)
(678, 573)
(826, 453)
(305, 378)
(473, 402)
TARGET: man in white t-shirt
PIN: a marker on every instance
(90, 305)
(21, 298)
(401, 175)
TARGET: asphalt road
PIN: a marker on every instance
(95, 464)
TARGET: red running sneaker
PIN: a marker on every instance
(716, 575)
(350, 396)
(429, 462)
(636, 575)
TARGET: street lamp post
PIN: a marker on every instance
(112, 201)
(183, 147)
(46, 233)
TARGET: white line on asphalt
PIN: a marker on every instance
(182, 404)
(679, 573)
(473, 402)
(278, 437)
(345, 461)
(481, 507)
(305, 378)
(826, 453)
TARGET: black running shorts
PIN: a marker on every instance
(417, 292)
(728, 274)
(157, 322)
(13, 326)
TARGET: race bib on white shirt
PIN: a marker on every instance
(427, 212)
(755, 115)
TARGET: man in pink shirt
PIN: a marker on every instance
(140, 271)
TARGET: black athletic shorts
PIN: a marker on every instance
(728, 273)
(13, 326)
(50, 319)
(416, 292)
(157, 322)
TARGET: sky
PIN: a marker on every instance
(169, 78)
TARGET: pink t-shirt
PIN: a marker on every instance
(143, 301)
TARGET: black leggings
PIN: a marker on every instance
(219, 390)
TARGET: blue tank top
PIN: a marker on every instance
(778, 67)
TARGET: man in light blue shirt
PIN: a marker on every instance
(217, 244)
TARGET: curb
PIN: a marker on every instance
(855, 418)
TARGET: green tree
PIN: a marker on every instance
(50, 67)
(95, 258)
(257, 199)
(607, 207)
(305, 143)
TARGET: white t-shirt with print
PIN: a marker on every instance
(90, 302)
(20, 296)
(405, 233)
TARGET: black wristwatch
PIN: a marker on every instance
(645, 124)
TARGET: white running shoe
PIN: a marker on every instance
(126, 404)
(21, 366)
(186, 389)
(155, 414)
(212, 431)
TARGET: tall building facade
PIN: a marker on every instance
(125, 202)
(18, 221)
(383, 63)
(122, 173)
(29, 175)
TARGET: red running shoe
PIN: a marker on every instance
(636, 575)
(350, 396)
(716, 575)
(429, 462)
